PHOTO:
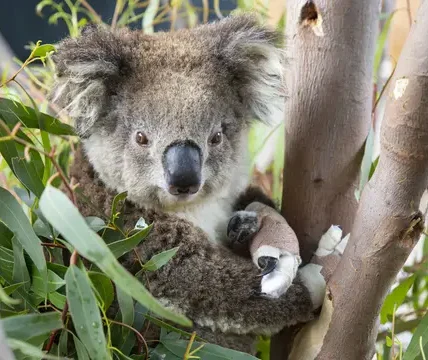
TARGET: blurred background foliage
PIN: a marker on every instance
(35, 148)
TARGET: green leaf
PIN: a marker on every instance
(162, 353)
(95, 223)
(11, 150)
(82, 353)
(57, 299)
(388, 341)
(30, 350)
(42, 51)
(85, 313)
(65, 217)
(24, 327)
(126, 305)
(63, 343)
(159, 260)
(38, 285)
(419, 341)
(26, 172)
(20, 270)
(366, 163)
(4, 298)
(380, 46)
(373, 167)
(395, 298)
(12, 215)
(207, 352)
(103, 286)
(12, 112)
(121, 247)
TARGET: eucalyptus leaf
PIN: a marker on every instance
(419, 341)
(30, 350)
(126, 305)
(207, 352)
(121, 247)
(103, 286)
(54, 282)
(4, 298)
(85, 313)
(24, 327)
(26, 172)
(65, 217)
(95, 223)
(12, 112)
(15, 219)
(11, 150)
(42, 51)
(395, 298)
(159, 260)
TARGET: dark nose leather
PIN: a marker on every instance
(182, 166)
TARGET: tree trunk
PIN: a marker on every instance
(328, 114)
(388, 223)
(327, 118)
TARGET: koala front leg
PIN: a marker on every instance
(218, 289)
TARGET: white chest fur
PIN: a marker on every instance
(211, 216)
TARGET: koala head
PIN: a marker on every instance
(165, 116)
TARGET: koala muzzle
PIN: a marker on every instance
(182, 165)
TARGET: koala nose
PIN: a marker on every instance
(182, 166)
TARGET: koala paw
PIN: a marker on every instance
(279, 279)
(242, 226)
(311, 276)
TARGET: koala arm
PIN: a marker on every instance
(216, 288)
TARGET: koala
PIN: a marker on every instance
(165, 117)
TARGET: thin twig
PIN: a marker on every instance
(118, 8)
(138, 335)
(73, 261)
(50, 245)
(409, 13)
(91, 10)
(189, 346)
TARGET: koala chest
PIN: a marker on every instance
(212, 217)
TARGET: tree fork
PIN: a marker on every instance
(328, 116)
(388, 222)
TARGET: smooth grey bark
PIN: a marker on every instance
(331, 45)
(388, 223)
(328, 114)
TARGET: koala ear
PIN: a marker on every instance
(88, 69)
(252, 54)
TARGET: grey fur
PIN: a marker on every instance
(177, 87)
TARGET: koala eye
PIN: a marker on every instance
(216, 138)
(141, 138)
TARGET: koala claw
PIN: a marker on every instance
(267, 264)
(242, 226)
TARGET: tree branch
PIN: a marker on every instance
(327, 118)
(328, 114)
(388, 223)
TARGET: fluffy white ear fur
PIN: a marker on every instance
(81, 94)
(258, 63)
(266, 89)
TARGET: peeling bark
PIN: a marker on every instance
(388, 223)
